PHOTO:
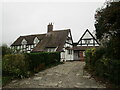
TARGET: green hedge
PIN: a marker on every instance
(24, 65)
(21, 65)
(42, 59)
(103, 66)
(15, 65)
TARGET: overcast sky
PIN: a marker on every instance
(32, 17)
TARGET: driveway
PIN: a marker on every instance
(68, 75)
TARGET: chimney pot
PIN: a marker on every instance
(50, 27)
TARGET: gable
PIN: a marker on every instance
(87, 35)
(88, 39)
(69, 39)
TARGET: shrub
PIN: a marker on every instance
(15, 65)
(24, 65)
(98, 61)
(5, 50)
(89, 56)
(39, 60)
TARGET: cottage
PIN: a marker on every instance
(56, 41)
(52, 41)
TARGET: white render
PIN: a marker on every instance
(67, 54)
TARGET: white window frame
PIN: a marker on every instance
(51, 49)
(24, 42)
(36, 41)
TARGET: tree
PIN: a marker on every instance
(108, 20)
(108, 27)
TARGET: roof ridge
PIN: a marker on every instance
(60, 30)
(32, 35)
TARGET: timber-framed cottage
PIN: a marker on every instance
(56, 41)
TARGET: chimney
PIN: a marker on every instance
(50, 27)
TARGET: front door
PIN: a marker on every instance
(81, 56)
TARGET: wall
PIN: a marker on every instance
(62, 56)
(69, 56)
(76, 55)
(65, 56)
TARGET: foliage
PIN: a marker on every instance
(6, 79)
(24, 65)
(102, 65)
(108, 27)
(106, 61)
(15, 65)
(5, 50)
(20, 65)
(108, 20)
(113, 48)
(39, 60)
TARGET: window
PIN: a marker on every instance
(87, 41)
(69, 51)
(51, 49)
(36, 40)
(24, 42)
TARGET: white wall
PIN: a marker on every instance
(62, 56)
(65, 56)
(68, 56)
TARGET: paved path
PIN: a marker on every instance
(68, 75)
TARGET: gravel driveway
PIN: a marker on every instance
(68, 75)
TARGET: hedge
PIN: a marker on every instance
(15, 65)
(25, 65)
(22, 65)
(42, 59)
(103, 66)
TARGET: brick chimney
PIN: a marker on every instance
(50, 27)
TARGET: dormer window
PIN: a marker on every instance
(24, 42)
(51, 49)
(36, 40)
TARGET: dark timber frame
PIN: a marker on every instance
(93, 38)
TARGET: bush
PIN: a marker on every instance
(5, 50)
(89, 56)
(40, 60)
(20, 65)
(24, 65)
(101, 65)
(15, 65)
